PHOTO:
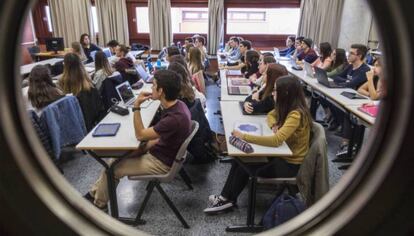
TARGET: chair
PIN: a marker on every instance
(312, 178)
(156, 180)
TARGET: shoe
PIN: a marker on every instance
(219, 205)
(213, 198)
(91, 199)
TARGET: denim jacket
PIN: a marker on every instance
(63, 121)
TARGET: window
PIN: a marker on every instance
(262, 20)
(49, 20)
(95, 20)
(142, 19)
(189, 20)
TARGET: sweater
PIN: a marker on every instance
(293, 132)
(352, 78)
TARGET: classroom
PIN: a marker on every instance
(181, 117)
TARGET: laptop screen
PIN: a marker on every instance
(142, 72)
(107, 52)
(125, 92)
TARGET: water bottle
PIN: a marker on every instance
(159, 63)
(149, 66)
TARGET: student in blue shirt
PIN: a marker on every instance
(354, 75)
(88, 47)
(234, 53)
(290, 44)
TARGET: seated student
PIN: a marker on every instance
(290, 47)
(196, 68)
(263, 63)
(291, 123)
(78, 50)
(171, 51)
(42, 91)
(112, 47)
(243, 47)
(200, 42)
(160, 143)
(185, 48)
(372, 87)
(339, 62)
(112, 44)
(324, 61)
(186, 94)
(354, 74)
(124, 63)
(251, 61)
(102, 70)
(88, 47)
(308, 54)
(234, 53)
(298, 46)
(75, 80)
(262, 101)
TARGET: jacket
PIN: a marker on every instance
(108, 91)
(63, 121)
(93, 109)
(312, 178)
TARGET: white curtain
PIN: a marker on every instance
(321, 20)
(215, 25)
(71, 19)
(160, 23)
(113, 21)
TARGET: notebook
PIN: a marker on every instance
(124, 91)
(242, 90)
(234, 73)
(371, 110)
(249, 128)
(106, 129)
(239, 82)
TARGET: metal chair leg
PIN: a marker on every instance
(186, 178)
(150, 188)
(171, 204)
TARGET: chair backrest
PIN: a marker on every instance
(178, 163)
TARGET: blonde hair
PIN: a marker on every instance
(194, 60)
(74, 79)
(78, 50)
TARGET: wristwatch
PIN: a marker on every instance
(134, 109)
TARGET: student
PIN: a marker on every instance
(234, 53)
(196, 68)
(324, 61)
(307, 54)
(339, 62)
(262, 101)
(75, 80)
(263, 63)
(199, 42)
(243, 47)
(186, 94)
(373, 85)
(112, 44)
(42, 91)
(103, 70)
(171, 51)
(354, 74)
(291, 123)
(78, 50)
(112, 47)
(251, 61)
(290, 47)
(88, 47)
(187, 43)
(159, 143)
(124, 62)
(298, 46)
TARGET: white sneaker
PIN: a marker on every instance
(212, 199)
(220, 205)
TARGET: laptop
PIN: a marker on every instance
(276, 53)
(143, 74)
(93, 54)
(107, 52)
(322, 78)
(308, 69)
(294, 65)
(124, 91)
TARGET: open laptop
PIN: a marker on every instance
(308, 69)
(322, 78)
(294, 65)
(124, 91)
(143, 74)
(276, 53)
(107, 52)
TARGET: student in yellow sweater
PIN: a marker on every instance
(291, 123)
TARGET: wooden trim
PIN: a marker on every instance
(40, 25)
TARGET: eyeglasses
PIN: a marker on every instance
(352, 53)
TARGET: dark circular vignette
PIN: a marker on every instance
(375, 196)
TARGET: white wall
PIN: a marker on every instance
(355, 24)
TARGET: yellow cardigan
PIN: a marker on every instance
(295, 134)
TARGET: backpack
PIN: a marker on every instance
(283, 208)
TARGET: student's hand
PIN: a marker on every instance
(253, 78)
(275, 128)
(237, 134)
(255, 96)
(248, 107)
(143, 96)
(370, 74)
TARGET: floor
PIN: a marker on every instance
(81, 171)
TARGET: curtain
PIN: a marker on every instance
(160, 23)
(112, 20)
(71, 19)
(215, 25)
(321, 20)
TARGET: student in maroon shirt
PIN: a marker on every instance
(159, 143)
(308, 54)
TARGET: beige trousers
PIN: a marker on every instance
(146, 164)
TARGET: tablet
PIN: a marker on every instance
(106, 129)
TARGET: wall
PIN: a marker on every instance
(355, 24)
(28, 40)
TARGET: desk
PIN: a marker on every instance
(118, 146)
(26, 69)
(232, 113)
(59, 54)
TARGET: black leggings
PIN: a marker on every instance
(238, 177)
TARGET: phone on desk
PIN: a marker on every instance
(352, 95)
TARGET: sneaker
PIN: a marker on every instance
(219, 206)
(213, 199)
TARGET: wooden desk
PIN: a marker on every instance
(26, 69)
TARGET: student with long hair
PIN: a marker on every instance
(75, 80)
(291, 123)
(78, 50)
(42, 91)
(102, 68)
(251, 61)
(262, 101)
(339, 62)
(195, 66)
(263, 63)
(372, 87)
(88, 47)
(324, 61)
(186, 94)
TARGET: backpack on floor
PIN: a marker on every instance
(283, 208)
